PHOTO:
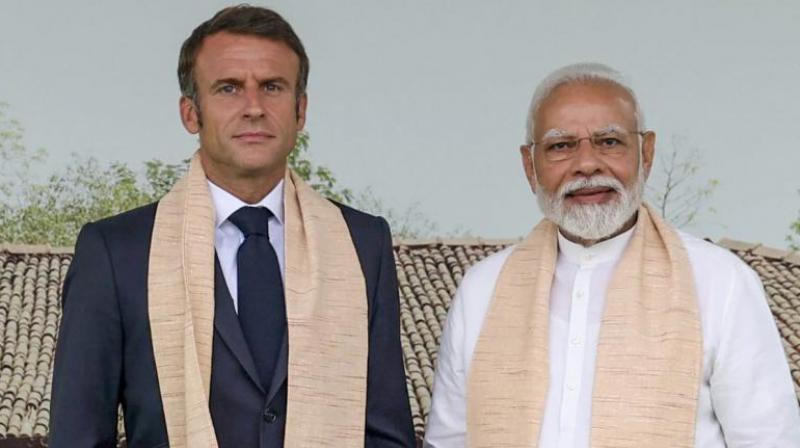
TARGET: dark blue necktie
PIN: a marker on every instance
(262, 311)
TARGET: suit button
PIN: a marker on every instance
(270, 415)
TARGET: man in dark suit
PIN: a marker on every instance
(243, 75)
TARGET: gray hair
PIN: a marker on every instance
(578, 73)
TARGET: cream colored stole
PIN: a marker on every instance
(326, 308)
(649, 355)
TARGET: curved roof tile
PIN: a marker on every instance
(428, 274)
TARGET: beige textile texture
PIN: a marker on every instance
(649, 353)
(326, 309)
(180, 289)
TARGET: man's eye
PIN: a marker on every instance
(273, 87)
(609, 142)
(562, 145)
(227, 89)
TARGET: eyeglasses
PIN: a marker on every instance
(608, 143)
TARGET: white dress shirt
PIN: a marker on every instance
(228, 237)
(746, 396)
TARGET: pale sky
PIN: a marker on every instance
(425, 101)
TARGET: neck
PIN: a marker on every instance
(250, 188)
(589, 243)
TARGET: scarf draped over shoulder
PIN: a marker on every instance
(326, 308)
(649, 355)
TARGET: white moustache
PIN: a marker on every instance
(590, 182)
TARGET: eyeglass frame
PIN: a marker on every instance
(532, 145)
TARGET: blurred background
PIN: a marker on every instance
(416, 109)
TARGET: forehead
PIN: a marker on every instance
(586, 106)
(234, 55)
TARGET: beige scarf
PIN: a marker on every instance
(649, 354)
(326, 309)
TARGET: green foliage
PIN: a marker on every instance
(793, 238)
(52, 211)
(319, 177)
(16, 160)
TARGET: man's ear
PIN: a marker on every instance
(527, 163)
(190, 116)
(302, 103)
(648, 152)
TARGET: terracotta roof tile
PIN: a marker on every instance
(428, 274)
(30, 286)
(737, 245)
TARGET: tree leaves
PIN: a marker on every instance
(53, 211)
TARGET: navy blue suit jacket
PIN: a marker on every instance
(104, 355)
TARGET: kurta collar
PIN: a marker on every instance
(607, 250)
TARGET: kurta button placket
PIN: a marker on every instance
(575, 352)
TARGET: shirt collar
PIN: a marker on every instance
(225, 204)
(610, 249)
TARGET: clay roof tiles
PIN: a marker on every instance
(428, 271)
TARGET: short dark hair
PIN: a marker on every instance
(240, 19)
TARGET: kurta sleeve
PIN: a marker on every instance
(751, 389)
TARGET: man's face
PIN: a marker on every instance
(249, 115)
(592, 192)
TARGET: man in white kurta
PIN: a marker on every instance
(744, 367)
(746, 397)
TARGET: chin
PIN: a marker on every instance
(261, 166)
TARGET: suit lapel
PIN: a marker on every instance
(227, 326)
(281, 369)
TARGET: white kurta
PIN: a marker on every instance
(746, 397)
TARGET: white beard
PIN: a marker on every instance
(592, 221)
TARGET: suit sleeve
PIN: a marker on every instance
(88, 358)
(388, 412)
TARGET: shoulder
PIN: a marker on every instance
(371, 238)
(485, 272)
(477, 287)
(710, 261)
(724, 284)
(358, 220)
(114, 246)
(367, 231)
(125, 233)
(469, 308)
(128, 223)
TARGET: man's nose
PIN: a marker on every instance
(586, 161)
(253, 108)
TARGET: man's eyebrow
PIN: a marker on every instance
(609, 129)
(278, 79)
(555, 133)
